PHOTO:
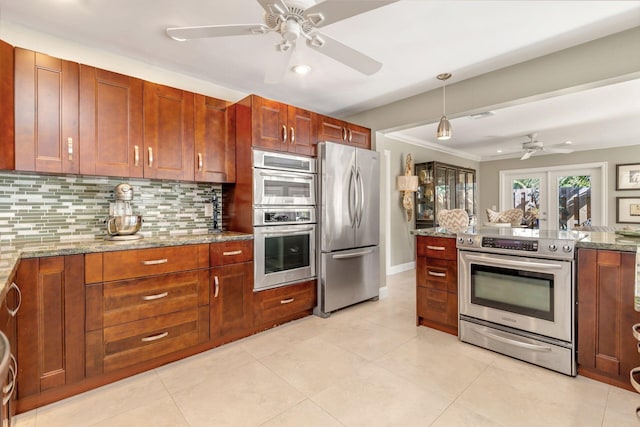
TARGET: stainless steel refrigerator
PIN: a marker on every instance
(349, 217)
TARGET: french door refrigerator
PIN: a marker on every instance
(349, 217)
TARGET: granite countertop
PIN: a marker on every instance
(11, 252)
(433, 232)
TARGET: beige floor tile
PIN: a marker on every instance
(533, 396)
(245, 396)
(621, 408)
(457, 416)
(193, 370)
(27, 419)
(376, 397)
(161, 413)
(313, 365)
(103, 403)
(305, 413)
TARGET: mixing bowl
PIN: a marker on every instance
(123, 225)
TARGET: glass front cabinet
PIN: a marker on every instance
(442, 186)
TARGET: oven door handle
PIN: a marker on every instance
(286, 176)
(288, 231)
(512, 263)
(511, 341)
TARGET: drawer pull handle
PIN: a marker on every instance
(154, 337)
(232, 253)
(156, 296)
(634, 383)
(636, 331)
(7, 390)
(216, 282)
(287, 301)
(155, 261)
(433, 273)
(436, 248)
(13, 312)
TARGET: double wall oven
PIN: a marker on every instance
(284, 195)
(517, 295)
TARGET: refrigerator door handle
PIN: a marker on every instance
(353, 194)
(361, 198)
(353, 255)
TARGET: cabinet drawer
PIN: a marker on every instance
(437, 306)
(232, 252)
(279, 303)
(124, 345)
(148, 262)
(437, 247)
(136, 299)
(438, 274)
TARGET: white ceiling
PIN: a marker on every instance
(414, 39)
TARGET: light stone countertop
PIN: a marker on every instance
(12, 251)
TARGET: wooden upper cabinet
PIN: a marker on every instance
(110, 123)
(168, 133)
(282, 127)
(7, 152)
(334, 130)
(215, 140)
(46, 113)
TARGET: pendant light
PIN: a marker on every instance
(444, 127)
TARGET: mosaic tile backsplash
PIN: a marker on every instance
(45, 208)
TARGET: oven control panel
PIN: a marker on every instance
(511, 244)
(535, 247)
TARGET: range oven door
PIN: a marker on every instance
(278, 188)
(284, 254)
(529, 294)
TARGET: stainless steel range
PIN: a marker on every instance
(517, 294)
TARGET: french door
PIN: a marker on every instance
(557, 198)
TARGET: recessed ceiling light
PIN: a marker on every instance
(482, 115)
(499, 151)
(568, 142)
(301, 69)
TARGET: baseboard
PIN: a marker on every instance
(395, 269)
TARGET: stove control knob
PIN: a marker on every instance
(461, 240)
(470, 240)
(567, 248)
(553, 247)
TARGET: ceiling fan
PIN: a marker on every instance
(534, 146)
(293, 19)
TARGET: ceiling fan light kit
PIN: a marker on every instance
(444, 127)
(293, 19)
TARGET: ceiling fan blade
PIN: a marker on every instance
(330, 11)
(275, 7)
(344, 54)
(526, 155)
(278, 65)
(187, 33)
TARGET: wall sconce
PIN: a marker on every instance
(407, 183)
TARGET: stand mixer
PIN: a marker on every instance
(123, 224)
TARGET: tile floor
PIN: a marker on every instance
(368, 365)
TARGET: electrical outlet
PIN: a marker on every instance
(208, 210)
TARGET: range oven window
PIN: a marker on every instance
(284, 188)
(284, 253)
(522, 292)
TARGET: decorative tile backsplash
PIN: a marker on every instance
(44, 208)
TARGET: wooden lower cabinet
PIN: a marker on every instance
(231, 301)
(50, 325)
(275, 306)
(437, 283)
(607, 350)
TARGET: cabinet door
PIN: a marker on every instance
(302, 138)
(606, 347)
(50, 323)
(359, 136)
(7, 141)
(231, 300)
(332, 130)
(110, 123)
(269, 124)
(215, 153)
(168, 132)
(46, 113)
